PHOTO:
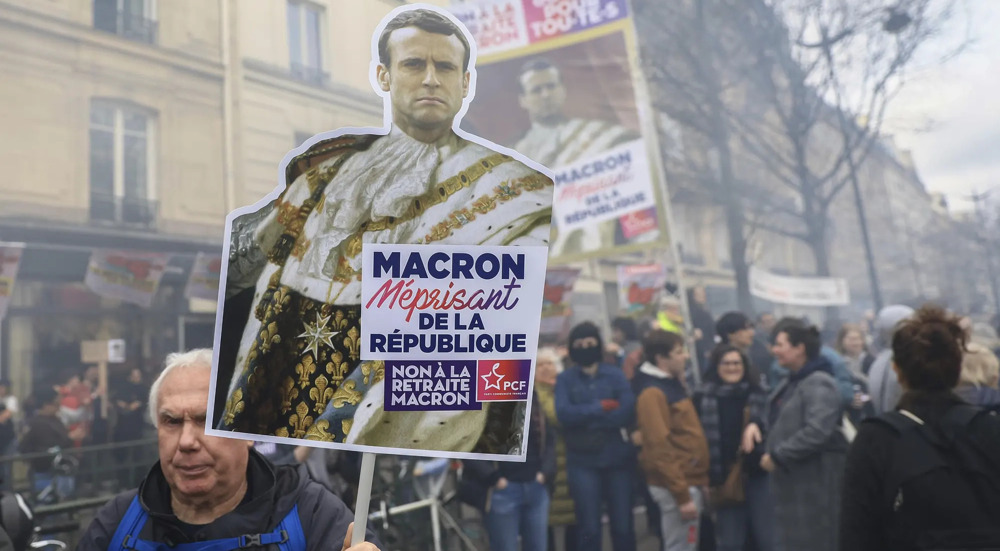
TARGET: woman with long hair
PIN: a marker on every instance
(732, 405)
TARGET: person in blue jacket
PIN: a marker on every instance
(595, 406)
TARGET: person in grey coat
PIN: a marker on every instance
(882, 384)
(806, 450)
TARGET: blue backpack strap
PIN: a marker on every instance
(292, 527)
(288, 536)
(129, 526)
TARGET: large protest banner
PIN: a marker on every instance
(203, 282)
(555, 83)
(126, 275)
(799, 291)
(556, 306)
(10, 259)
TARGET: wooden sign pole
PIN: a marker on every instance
(102, 387)
(364, 498)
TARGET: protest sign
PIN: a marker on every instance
(456, 326)
(556, 299)
(557, 84)
(10, 259)
(361, 306)
(126, 275)
(607, 187)
(639, 286)
(203, 282)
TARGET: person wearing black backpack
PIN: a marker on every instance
(927, 475)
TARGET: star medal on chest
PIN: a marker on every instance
(317, 334)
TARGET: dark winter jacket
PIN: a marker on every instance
(479, 477)
(866, 514)
(595, 438)
(44, 432)
(271, 494)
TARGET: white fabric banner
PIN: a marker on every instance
(125, 275)
(203, 282)
(10, 259)
(799, 291)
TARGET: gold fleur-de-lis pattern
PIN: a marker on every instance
(300, 420)
(305, 369)
(234, 406)
(290, 392)
(321, 394)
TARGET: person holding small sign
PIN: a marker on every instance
(595, 407)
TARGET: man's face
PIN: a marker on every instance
(742, 339)
(196, 466)
(675, 362)
(788, 356)
(767, 322)
(542, 95)
(425, 80)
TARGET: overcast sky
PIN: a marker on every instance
(958, 104)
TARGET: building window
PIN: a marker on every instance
(305, 42)
(121, 164)
(132, 19)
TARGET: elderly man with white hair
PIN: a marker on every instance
(217, 494)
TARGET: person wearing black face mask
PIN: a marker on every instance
(595, 405)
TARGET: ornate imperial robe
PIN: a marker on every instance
(297, 371)
(563, 144)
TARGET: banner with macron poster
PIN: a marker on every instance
(557, 82)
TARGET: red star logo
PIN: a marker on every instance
(493, 375)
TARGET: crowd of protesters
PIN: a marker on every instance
(777, 441)
(755, 450)
(56, 420)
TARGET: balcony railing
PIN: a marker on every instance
(134, 26)
(124, 210)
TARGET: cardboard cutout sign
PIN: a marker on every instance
(340, 320)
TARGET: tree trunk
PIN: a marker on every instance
(733, 206)
(735, 224)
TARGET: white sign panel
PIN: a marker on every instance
(799, 291)
(603, 187)
(455, 301)
(116, 351)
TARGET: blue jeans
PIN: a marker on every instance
(755, 516)
(522, 508)
(593, 487)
